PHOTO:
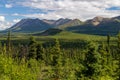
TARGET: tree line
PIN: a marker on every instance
(36, 62)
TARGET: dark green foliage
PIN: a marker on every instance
(108, 62)
(108, 40)
(118, 56)
(40, 52)
(0, 48)
(56, 53)
(32, 41)
(92, 62)
(61, 60)
(22, 53)
(9, 41)
(32, 48)
(51, 31)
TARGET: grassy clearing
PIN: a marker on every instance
(64, 35)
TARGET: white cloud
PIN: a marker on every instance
(5, 25)
(16, 20)
(8, 5)
(82, 9)
(15, 14)
(2, 18)
(43, 16)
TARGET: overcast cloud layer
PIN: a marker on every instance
(54, 9)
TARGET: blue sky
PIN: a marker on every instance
(12, 11)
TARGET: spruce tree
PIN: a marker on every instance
(118, 56)
(56, 53)
(9, 42)
(4, 49)
(22, 52)
(108, 40)
(40, 52)
(109, 66)
(92, 62)
(57, 61)
(108, 43)
(0, 47)
(104, 60)
(32, 48)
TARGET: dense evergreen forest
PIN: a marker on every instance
(56, 60)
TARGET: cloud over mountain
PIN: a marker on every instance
(72, 8)
(4, 24)
(55, 9)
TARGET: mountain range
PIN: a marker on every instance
(98, 25)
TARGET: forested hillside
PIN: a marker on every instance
(59, 39)
(60, 59)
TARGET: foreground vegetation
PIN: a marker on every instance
(58, 60)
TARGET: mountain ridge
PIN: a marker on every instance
(92, 26)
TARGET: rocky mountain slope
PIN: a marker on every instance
(97, 25)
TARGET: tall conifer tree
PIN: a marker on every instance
(93, 62)
(32, 48)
